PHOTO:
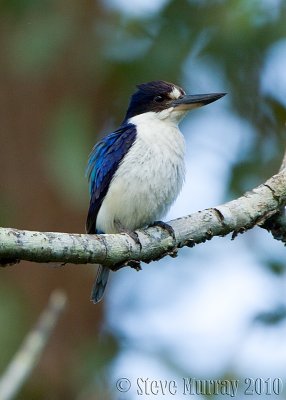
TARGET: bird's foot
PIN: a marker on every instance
(165, 226)
(130, 233)
(135, 237)
(135, 264)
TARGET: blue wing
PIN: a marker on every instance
(102, 164)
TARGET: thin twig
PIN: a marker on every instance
(29, 353)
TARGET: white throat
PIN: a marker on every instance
(161, 129)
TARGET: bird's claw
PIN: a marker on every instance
(165, 226)
(135, 237)
(135, 264)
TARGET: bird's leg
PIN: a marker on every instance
(135, 237)
(131, 263)
(135, 264)
(173, 252)
(165, 226)
(132, 234)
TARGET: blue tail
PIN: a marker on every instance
(99, 284)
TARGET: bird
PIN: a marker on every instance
(136, 172)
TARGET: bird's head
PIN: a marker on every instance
(166, 100)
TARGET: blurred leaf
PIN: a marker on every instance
(34, 46)
(19, 7)
(272, 317)
(67, 151)
(278, 268)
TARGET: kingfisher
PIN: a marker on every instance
(136, 172)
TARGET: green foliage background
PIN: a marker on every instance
(67, 70)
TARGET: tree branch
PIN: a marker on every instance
(116, 250)
(277, 224)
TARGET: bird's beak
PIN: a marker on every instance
(188, 102)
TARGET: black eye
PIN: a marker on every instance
(158, 99)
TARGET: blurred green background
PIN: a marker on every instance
(67, 70)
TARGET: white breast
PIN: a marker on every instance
(149, 177)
